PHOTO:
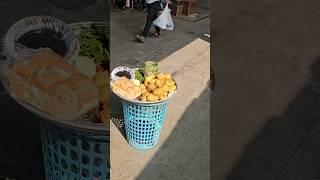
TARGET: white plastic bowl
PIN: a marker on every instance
(121, 68)
(38, 23)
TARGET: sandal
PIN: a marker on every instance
(156, 34)
(140, 38)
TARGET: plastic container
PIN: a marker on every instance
(62, 38)
(73, 154)
(119, 69)
(143, 121)
(150, 68)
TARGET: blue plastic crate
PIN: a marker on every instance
(74, 155)
(143, 123)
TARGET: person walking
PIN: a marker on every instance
(144, 4)
(154, 6)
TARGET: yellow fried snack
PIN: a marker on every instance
(149, 78)
(161, 76)
(150, 97)
(146, 83)
(172, 88)
(152, 81)
(168, 76)
(163, 96)
(151, 87)
(143, 98)
(168, 83)
(157, 87)
(165, 88)
(144, 90)
(104, 94)
(142, 86)
(146, 94)
(156, 98)
(159, 83)
(158, 91)
(101, 78)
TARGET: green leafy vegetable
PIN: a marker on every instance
(139, 75)
(94, 43)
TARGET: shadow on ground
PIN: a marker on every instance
(288, 146)
(117, 114)
(20, 152)
(174, 158)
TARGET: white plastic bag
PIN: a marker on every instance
(164, 21)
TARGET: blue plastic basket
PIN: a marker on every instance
(143, 123)
(74, 155)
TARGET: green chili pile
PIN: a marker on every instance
(94, 44)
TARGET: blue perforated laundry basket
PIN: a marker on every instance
(143, 123)
(71, 154)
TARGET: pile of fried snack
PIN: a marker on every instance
(154, 87)
(157, 87)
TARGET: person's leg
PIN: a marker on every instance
(144, 4)
(158, 8)
(157, 33)
(150, 17)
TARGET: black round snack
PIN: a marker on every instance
(123, 74)
(44, 38)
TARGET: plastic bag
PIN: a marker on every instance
(164, 21)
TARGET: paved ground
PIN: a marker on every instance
(266, 111)
(183, 150)
(126, 24)
(20, 152)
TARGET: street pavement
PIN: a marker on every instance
(125, 25)
(266, 108)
